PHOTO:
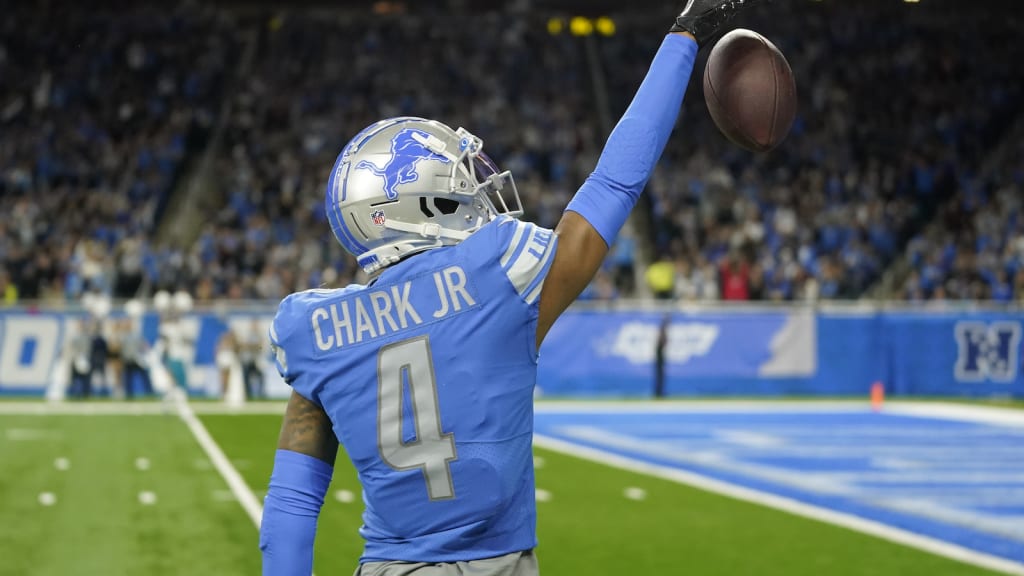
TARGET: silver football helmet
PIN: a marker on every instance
(405, 185)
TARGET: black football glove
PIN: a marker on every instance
(703, 18)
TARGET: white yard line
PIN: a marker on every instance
(254, 408)
(242, 492)
(794, 507)
(30, 434)
(236, 483)
(76, 409)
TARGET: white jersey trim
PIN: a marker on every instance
(516, 238)
(530, 264)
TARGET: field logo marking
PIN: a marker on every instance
(797, 508)
(1010, 418)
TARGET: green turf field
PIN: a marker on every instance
(99, 519)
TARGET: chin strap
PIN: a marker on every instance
(373, 263)
(428, 230)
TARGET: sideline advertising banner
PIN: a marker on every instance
(614, 353)
(38, 350)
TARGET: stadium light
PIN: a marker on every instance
(385, 7)
(555, 26)
(580, 26)
(605, 26)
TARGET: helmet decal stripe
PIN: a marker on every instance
(333, 209)
(358, 246)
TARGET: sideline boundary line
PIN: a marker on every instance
(960, 412)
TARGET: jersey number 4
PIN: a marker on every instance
(410, 362)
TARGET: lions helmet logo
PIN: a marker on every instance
(408, 149)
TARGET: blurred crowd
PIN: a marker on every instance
(897, 112)
(525, 93)
(974, 249)
(99, 109)
(104, 113)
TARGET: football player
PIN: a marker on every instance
(426, 374)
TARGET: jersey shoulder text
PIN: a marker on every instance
(523, 251)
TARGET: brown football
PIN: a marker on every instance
(750, 90)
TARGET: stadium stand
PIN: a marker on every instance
(298, 108)
(974, 249)
(100, 109)
(865, 167)
(85, 177)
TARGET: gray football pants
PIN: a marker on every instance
(515, 564)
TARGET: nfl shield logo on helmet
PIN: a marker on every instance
(378, 217)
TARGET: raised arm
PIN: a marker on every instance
(600, 207)
(303, 467)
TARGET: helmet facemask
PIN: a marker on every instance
(448, 190)
(487, 182)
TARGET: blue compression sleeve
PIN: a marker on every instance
(634, 147)
(290, 510)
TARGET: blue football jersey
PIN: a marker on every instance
(427, 375)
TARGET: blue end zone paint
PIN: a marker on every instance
(28, 351)
(22, 392)
(954, 481)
